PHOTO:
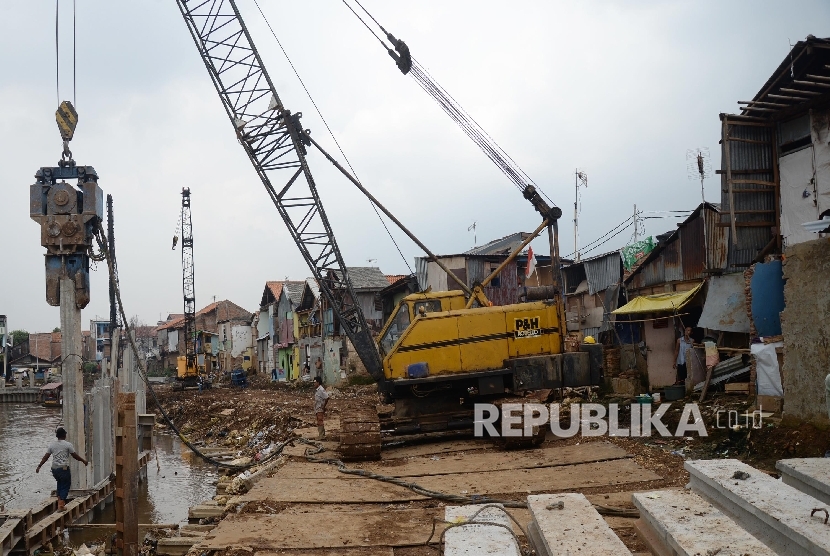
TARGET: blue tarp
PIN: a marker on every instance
(767, 287)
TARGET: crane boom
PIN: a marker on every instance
(275, 143)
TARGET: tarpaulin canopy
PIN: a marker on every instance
(657, 303)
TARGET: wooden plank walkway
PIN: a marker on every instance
(25, 531)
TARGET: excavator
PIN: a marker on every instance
(439, 353)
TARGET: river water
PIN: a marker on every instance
(177, 481)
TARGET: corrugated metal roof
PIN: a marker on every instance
(366, 278)
(502, 246)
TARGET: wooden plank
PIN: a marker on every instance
(742, 140)
(344, 489)
(126, 475)
(757, 182)
(728, 162)
(746, 224)
(324, 529)
(737, 388)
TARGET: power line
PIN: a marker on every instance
(623, 225)
(331, 133)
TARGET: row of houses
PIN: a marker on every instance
(750, 274)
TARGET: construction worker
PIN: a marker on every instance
(321, 400)
(60, 450)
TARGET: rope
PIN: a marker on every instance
(331, 133)
(74, 58)
(57, 55)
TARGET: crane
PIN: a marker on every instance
(452, 347)
(187, 374)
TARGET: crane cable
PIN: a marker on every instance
(454, 110)
(331, 133)
(74, 54)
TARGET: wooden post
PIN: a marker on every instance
(126, 476)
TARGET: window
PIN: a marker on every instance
(424, 307)
(396, 328)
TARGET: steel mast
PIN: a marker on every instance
(188, 288)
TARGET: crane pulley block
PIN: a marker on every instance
(403, 58)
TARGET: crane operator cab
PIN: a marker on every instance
(413, 306)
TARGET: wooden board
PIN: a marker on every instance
(434, 448)
(525, 481)
(737, 388)
(323, 529)
(461, 463)
(359, 551)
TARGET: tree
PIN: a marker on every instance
(57, 329)
(18, 336)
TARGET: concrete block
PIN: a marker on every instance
(809, 475)
(775, 513)
(682, 523)
(477, 539)
(175, 546)
(572, 527)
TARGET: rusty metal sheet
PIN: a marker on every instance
(653, 271)
(692, 248)
(748, 161)
(672, 260)
(725, 305)
(717, 242)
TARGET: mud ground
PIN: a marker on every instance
(310, 508)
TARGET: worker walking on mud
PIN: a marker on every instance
(61, 450)
(321, 400)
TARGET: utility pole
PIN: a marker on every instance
(4, 340)
(699, 167)
(636, 226)
(580, 180)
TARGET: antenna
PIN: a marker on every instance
(472, 228)
(699, 167)
(370, 261)
(580, 180)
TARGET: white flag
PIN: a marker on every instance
(531, 263)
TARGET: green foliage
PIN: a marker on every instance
(56, 329)
(90, 367)
(18, 336)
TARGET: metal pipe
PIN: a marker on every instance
(391, 216)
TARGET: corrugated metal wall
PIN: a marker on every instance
(603, 272)
(692, 248)
(717, 242)
(748, 161)
(672, 260)
(508, 291)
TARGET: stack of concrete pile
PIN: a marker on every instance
(734, 509)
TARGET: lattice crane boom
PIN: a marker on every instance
(274, 140)
(188, 287)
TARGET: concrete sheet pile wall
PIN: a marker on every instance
(806, 329)
(100, 430)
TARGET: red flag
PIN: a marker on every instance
(531, 263)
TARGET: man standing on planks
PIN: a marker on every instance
(61, 450)
(321, 400)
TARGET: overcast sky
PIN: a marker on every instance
(620, 90)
